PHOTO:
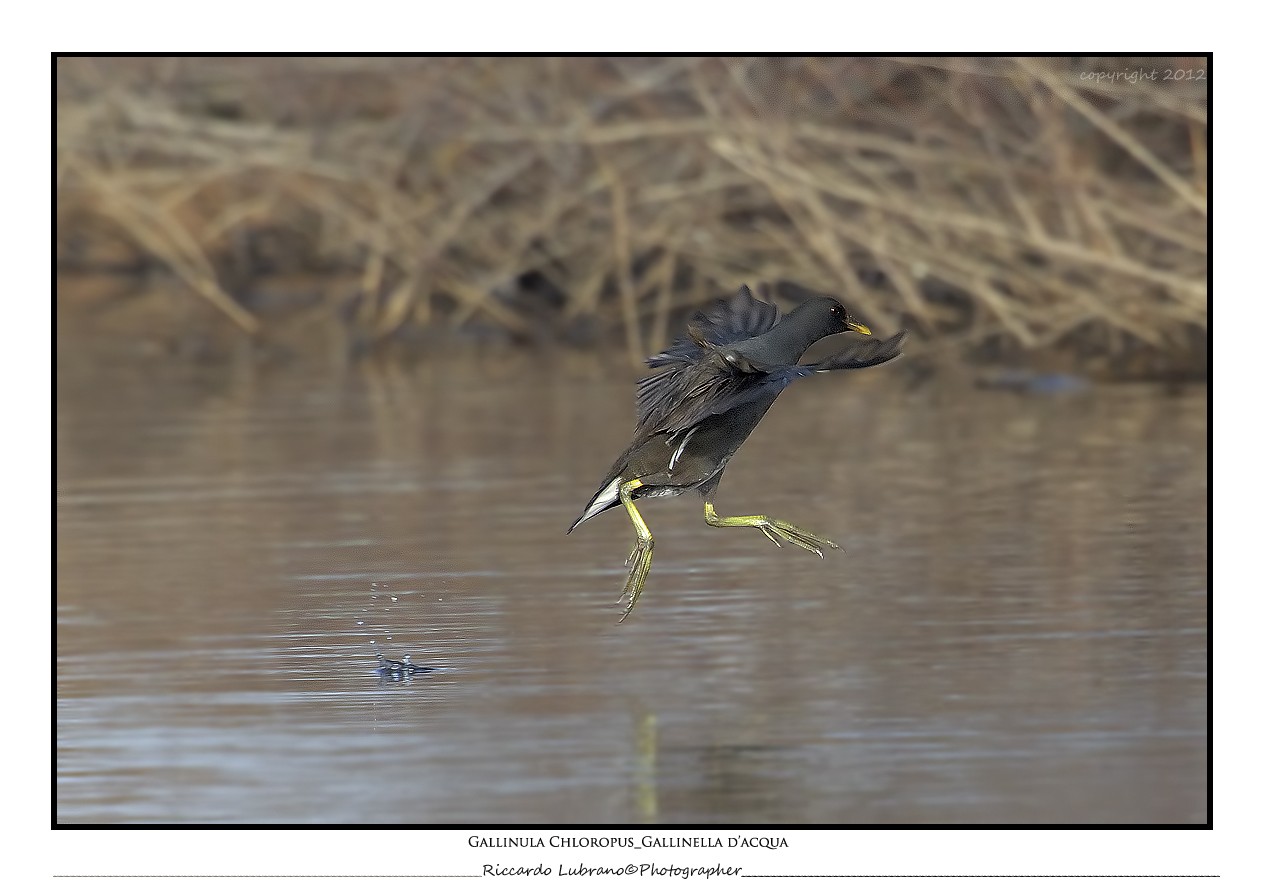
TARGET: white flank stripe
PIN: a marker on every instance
(681, 449)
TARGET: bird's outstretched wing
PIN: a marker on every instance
(683, 394)
(740, 317)
(861, 353)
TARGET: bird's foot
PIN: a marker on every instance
(776, 529)
(638, 568)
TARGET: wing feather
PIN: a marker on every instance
(740, 317)
(862, 353)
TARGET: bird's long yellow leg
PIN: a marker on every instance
(771, 527)
(639, 560)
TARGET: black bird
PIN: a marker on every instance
(713, 387)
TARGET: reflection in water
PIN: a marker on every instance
(1016, 632)
(647, 756)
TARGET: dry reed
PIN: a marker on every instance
(992, 204)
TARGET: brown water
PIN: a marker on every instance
(1016, 632)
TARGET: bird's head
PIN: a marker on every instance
(826, 316)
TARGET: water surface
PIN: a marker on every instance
(1016, 632)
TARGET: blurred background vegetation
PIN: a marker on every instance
(1007, 210)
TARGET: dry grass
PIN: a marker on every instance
(992, 204)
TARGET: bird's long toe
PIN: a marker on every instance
(638, 569)
(799, 536)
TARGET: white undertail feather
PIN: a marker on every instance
(600, 502)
